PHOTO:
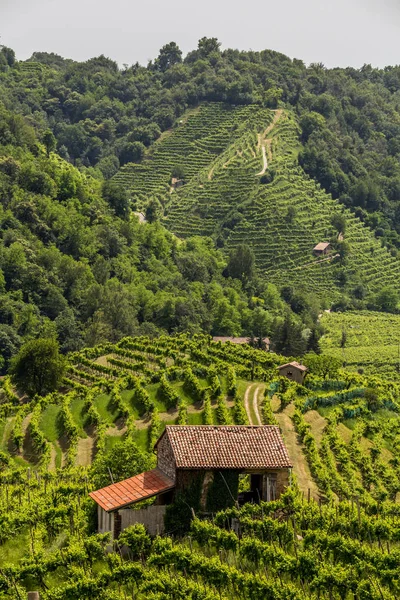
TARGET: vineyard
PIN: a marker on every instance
(371, 341)
(194, 144)
(279, 211)
(133, 387)
(335, 534)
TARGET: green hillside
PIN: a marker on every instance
(344, 500)
(226, 197)
(193, 144)
(364, 340)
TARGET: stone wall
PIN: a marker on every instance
(292, 373)
(165, 457)
(282, 481)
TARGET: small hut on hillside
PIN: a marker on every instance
(176, 183)
(322, 249)
(294, 371)
(204, 456)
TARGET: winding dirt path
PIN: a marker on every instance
(265, 161)
(256, 405)
(53, 456)
(295, 450)
(246, 402)
(251, 405)
(265, 143)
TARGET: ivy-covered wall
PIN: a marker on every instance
(202, 491)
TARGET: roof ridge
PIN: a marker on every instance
(227, 447)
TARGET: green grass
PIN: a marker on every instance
(49, 422)
(6, 427)
(195, 418)
(106, 413)
(141, 437)
(14, 549)
(111, 441)
(76, 407)
(2, 429)
(134, 410)
(152, 390)
(349, 423)
(325, 411)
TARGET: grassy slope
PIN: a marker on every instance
(372, 340)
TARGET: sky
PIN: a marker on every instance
(336, 33)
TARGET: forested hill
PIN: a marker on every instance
(71, 268)
(105, 117)
(260, 142)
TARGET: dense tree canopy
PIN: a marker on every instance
(76, 265)
(104, 116)
(38, 368)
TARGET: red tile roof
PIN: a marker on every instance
(227, 447)
(294, 364)
(132, 490)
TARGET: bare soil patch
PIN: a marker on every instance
(85, 451)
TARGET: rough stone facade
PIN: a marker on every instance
(292, 373)
(186, 477)
(165, 457)
(282, 481)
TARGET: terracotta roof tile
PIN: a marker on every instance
(294, 364)
(132, 490)
(227, 447)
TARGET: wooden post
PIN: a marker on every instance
(33, 596)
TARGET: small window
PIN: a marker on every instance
(289, 374)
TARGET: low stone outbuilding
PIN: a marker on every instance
(240, 340)
(322, 249)
(193, 453)
(294, 371)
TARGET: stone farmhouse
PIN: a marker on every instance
(294, 371)
(185, 454)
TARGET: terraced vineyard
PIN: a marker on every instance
(283, 220)
(371, 341)
(134, 387)
(334, 535)
(195, 142)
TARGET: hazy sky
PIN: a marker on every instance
(337, 33)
